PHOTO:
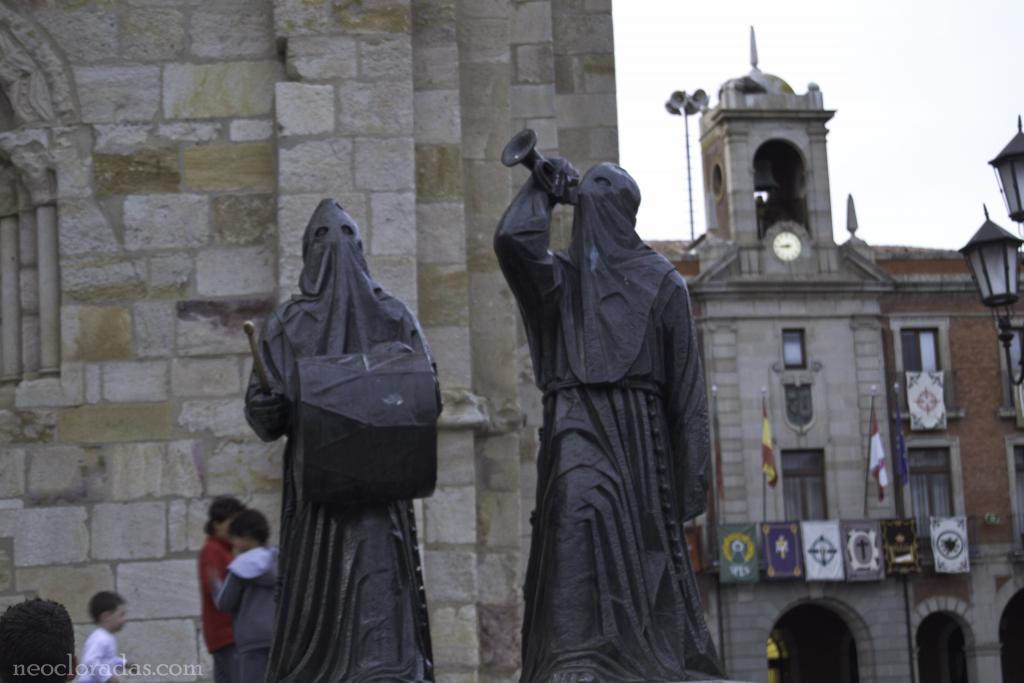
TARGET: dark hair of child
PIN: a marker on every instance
(220, 509)
(36, 632)
(104, 602)
(250, 524)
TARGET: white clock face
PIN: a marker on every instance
(787, 246)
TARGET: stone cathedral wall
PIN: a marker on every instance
(159, 160)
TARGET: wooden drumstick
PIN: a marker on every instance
(257, 360)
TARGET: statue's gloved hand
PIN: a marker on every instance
(269, 410)
(558, 178)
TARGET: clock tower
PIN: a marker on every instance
(766, 175)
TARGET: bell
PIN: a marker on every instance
(764, 179)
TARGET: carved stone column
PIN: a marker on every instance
(10, 300)
(49, 289)
(35, 174)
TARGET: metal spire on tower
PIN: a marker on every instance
(753, 48)
(851, 216)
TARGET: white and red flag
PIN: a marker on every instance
(877, 455)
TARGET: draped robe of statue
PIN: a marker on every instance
(610, 594)
(350, 602)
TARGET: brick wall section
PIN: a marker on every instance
(688, 268)
(982, 433)
(895, 266)
(942, 586)
(975, 356)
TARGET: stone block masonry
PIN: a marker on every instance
(183, 147)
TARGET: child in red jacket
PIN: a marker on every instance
(214, 559)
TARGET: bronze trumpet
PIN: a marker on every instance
(522, 149)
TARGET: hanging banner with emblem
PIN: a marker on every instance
(738, 551)
(926, 400)
(823, 556)
(782, 554)
(899, 538)
(949, 545)
(862, 550)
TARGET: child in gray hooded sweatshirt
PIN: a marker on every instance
(248, 592)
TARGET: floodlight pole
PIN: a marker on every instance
(689, 179)
(681, 104)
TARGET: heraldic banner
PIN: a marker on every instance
(862, 550)
(738, 551)
(823, 556)
(949, 545)
(926, 400)
(899, 537)
(781, 541)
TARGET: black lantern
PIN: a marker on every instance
(1009, 167)
(994, 259)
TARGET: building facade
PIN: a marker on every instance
(160, 159)
(819, 333)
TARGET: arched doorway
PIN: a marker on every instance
(810, 644)
(940, 650)
(1011, 638)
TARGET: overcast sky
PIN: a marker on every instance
(926, 92)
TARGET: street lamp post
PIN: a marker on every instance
(993, 254)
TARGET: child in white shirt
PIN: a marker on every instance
(101, 662)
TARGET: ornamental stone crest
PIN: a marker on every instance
(799, 406)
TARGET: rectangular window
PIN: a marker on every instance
(920, 349)
(803, 474)
(1015, 347)
(1015, 350)
(1018, 466)
(793, 355)
(930, 485)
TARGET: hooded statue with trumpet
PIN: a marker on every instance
(610, 593)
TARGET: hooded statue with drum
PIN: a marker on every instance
(610, 594)
(343, 371)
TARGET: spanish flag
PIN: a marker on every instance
(767, 454)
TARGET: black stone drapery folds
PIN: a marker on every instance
(610, 594)
(350, 601)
